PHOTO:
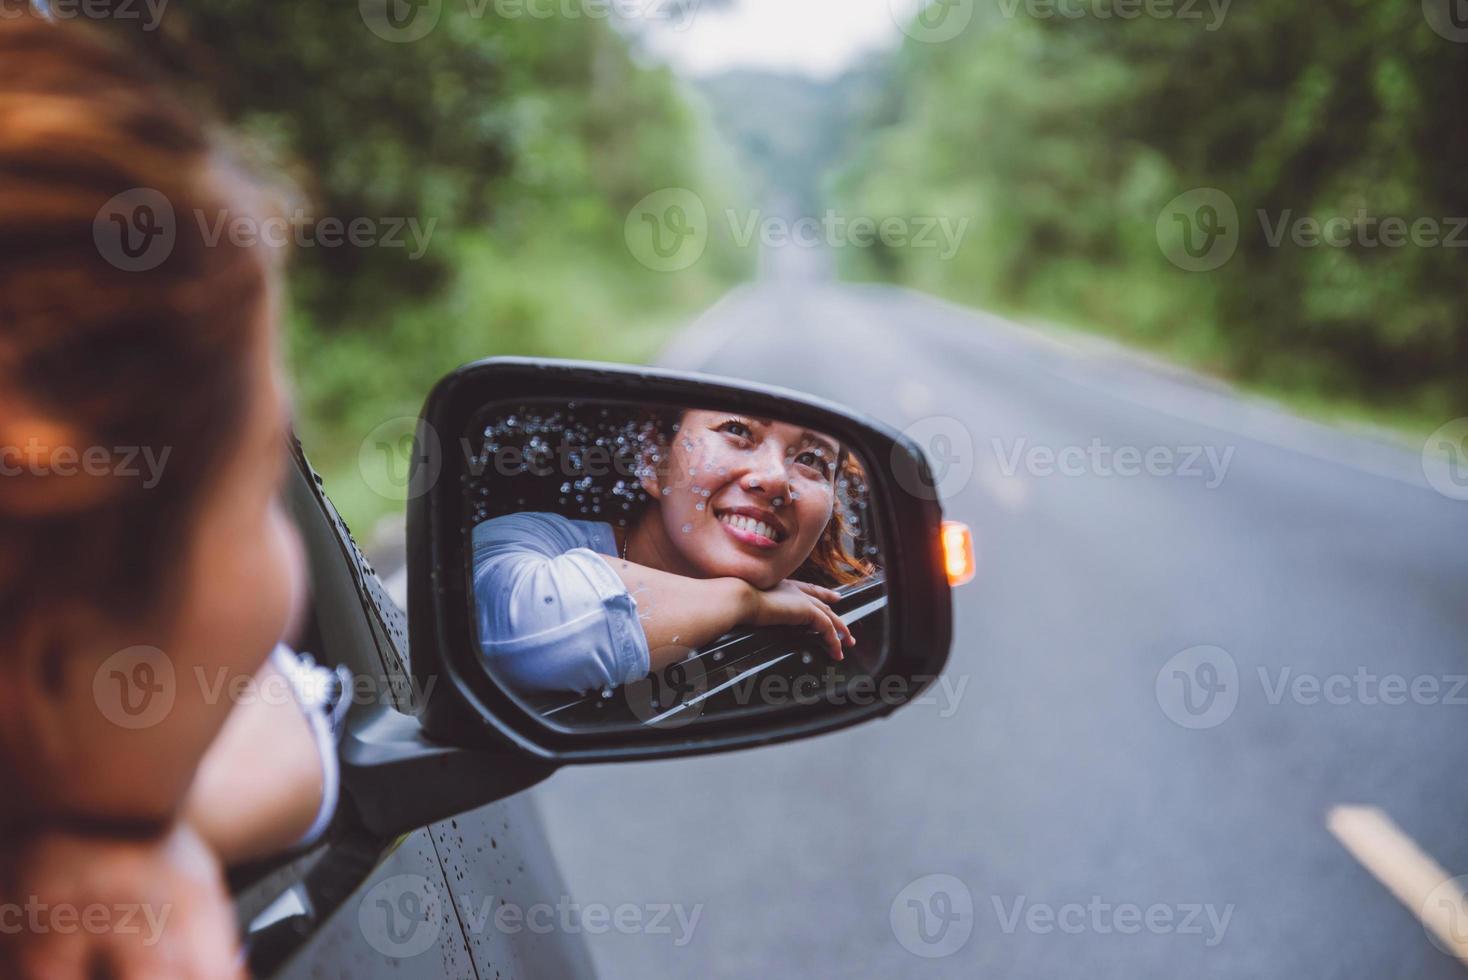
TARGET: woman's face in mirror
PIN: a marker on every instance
(742, 496)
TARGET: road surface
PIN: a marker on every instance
(1100, 819)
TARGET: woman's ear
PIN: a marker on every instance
(38, 704)
(650, 470)
(84, 746)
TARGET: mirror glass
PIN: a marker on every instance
(648, 565)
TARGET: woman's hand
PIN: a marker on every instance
(81, 907)
(679, 614)
(793, 603)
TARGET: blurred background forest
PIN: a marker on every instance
(1065, 139)
(530, 140)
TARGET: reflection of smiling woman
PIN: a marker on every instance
(738, 505)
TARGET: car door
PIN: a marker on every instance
(424, 905)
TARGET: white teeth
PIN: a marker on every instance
(751, 525)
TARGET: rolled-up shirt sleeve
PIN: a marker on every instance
(322, 694)
(552, 614)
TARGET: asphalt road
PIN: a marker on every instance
(1058, 789)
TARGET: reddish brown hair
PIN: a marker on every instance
(111, 358)
(831, 563)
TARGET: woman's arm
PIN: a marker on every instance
(556, 615)
(679, 613)
(260, 786)
(171, 890)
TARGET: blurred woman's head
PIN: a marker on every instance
(142, 428)
(752, 498)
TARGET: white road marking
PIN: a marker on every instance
(1408, 872)
(915, 398)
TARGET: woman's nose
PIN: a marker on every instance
(766, 472)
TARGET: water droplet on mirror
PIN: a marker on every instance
(687, 528)
(805, 658)
(700, 505)
(667, 490)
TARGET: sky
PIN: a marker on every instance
(814, 37)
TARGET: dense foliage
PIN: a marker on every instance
(517, 144)
(1065, 139)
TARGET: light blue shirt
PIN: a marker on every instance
(552, 614)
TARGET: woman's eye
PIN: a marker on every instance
(814, 461)
(734, 427)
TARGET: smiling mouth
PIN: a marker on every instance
(751, 529)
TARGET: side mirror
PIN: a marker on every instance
(594, 552)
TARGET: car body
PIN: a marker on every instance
(421, 904)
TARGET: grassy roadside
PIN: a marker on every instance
(1405, 425)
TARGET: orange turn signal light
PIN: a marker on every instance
(958, 552)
